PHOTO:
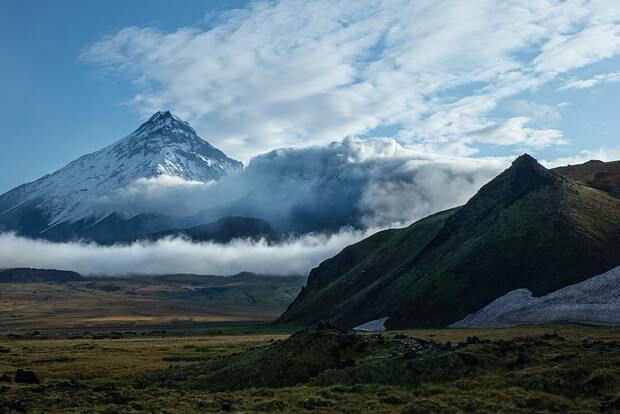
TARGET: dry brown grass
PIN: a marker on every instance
(119, 304)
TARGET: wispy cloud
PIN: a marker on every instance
(513, 131)
(292, 73)
(542, 113)
(601, 154)
(591, 82)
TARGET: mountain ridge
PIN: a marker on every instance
(528, 227)
(597, 174)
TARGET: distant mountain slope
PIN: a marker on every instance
(28, 275)
(223, 231)
(113, 227)
(527, 228)
(593, 301)
(604, 176)
(117, 229)
(243, 278)
(162, 146)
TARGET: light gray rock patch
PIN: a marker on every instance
(378, 325)
(593, 301)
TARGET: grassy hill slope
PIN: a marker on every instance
(529, 227)
(604, 176)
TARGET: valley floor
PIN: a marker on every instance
(560, 368)
(148, 302)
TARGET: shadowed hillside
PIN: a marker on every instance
(604, 176)
(528, 228)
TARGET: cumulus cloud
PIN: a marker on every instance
(355, 182)
(176, 255)
(291, 74)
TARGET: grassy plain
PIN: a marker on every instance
(192, 344)
(560, 368)
(143, 302)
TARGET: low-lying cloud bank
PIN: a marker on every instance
(176, 255)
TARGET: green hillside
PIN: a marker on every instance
(527, 228)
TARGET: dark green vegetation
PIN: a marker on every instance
(572, 369)
(27, 275)
(28, 303)
(528, 228)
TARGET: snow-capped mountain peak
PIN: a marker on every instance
(163, 145)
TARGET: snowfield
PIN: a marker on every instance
(593, 301)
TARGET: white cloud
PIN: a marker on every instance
(601, 154)
(292, 73)
(545, 114)
(514, 132)
(163, 193)
(418, 188)
(610, 77)
(373, 182)
(587, 46)
(294, 257)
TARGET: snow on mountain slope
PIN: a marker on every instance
(593, 301)
(163, 146)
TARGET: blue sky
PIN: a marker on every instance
(54, 106)
(468, 79)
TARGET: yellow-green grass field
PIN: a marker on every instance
(194, 344)
(87, 375)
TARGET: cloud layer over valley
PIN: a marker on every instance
(317, 193)
(176, 255)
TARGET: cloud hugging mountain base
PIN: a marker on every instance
(164, 177)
